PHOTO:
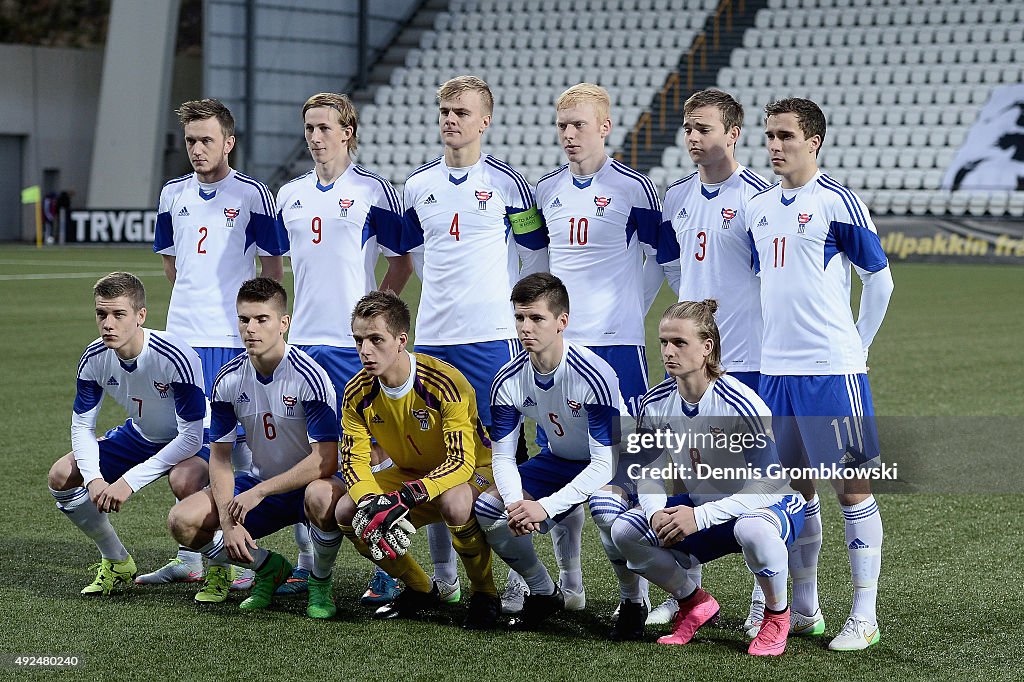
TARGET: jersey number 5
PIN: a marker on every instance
(553, 418)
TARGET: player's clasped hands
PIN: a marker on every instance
(526, 516)
(673, 524)
(109, 498)
(243, 503)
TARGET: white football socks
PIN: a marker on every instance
(446, 567)
(77, 506)
(803, 560)
(864, 546)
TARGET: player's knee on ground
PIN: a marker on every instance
(321, 499)
(456, 505)
(64, 474)
(345, 510)
(189, 476)
(490, 510)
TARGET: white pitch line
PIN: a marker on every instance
(62, 263)
(71, 275)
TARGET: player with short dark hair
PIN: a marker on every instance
(286, 404)
(158, 379)
(807, 232)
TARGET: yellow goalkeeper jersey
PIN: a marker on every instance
(432, 431)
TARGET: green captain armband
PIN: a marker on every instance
(526, 221)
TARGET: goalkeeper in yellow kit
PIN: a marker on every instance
(422, 412)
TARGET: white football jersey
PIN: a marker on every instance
(336, 233)
(727, 412)
(804, 241)
(706, 228)
(599, 230)
(162, 392)
(281, 414)
(580, 408)
(464, 224)
(214, 232)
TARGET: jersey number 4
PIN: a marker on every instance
(454, 229)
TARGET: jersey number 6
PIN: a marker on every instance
(268, 426)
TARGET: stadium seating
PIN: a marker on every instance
(900, 81)
(628, 46)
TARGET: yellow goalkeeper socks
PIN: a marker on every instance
(403, 568)
(471, 545)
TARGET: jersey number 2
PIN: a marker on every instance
(204, 232)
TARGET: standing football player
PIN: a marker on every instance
(471, 218)
(806, 232)
(602, 219)
(339, 218)
(211, 225)
(705, 232)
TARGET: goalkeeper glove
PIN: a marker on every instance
(381, 520)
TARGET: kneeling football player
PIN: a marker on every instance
(286, 404)
(422, 412)
(729, 430)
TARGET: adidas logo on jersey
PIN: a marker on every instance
(847, 458)
(763, 222)
(112, 381)
(555, 204)
(529, 402)
(242, 398)
(297, 204)
(682, 215)
(183, 212)
(376, 419)
(858, 544)
(430, 200)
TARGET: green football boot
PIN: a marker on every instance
(321, 602)
(216, 586)
(269, 577)
(109, 574)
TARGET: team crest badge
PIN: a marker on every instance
(231, 214)
(802, 221)
(602, 203)
(423, 417)
(482, 197)
(727, 215)
(344, 205)
(162, 389)
(290, 402)
(574, 406)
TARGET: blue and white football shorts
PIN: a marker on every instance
(122, 448)
(213, 359)
(822, 420)
(479, 363)
(630, 365)
(718, 541)
(341, 364)
(546, 474)
(275, 511)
